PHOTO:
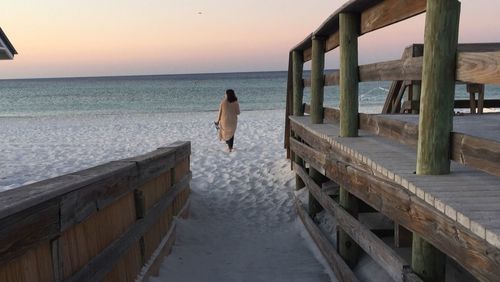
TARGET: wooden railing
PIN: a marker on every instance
(440, 66)
(112, 222)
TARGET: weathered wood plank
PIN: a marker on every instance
(405, 69)
(388, 12)
(315, 158)
(153, 163)
(108, 187)
(476, 152)
(404, 132)
(332, 41)
(338, 266)
(101, 264)
(478, 67)
(387, 258)
(182, 149)
(25, 229)
(22, 198)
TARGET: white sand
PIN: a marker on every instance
(242, 225)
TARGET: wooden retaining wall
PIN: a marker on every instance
(112, 222)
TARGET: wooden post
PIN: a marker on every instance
(436, 116)
(348, 248)
(314, 206)
(349, 77)
(438, 86)
(298, 86)
(426, 261)
(317, 79)
(316, 113)
(416, 87)
(298, 94)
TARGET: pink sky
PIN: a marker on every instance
(57, 38)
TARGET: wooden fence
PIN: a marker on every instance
(112, 222)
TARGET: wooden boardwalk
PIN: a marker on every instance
(466, 195)
(461, 209)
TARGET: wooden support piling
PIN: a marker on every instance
(314, 206)
(349, 250)
(436, 116)
(316, 112)
(349, 79)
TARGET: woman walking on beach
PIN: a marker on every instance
(229, 110)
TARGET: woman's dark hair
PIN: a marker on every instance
(231, 97)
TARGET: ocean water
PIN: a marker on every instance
(168, 94)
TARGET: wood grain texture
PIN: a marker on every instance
(478, 67)
(338, 266)
(26, 229)
(388, 12)
(33, 265)
(103, 262)
(82, 242)
(404, 69)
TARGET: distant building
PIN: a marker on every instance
(7, 50)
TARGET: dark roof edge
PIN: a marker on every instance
(6, 40)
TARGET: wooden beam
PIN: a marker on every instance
(477, 67)
(332, 42)
(332, 78)
(388, 12)
(416, 215)
(404, 69)
(476, 152)
(381, 253)
(472, 67)
(337, 265)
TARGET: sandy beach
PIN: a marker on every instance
(242, 225)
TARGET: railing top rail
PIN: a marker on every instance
(22, 198)
(374, 14)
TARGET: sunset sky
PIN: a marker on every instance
(57, 38)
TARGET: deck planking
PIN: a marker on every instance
(468, 196)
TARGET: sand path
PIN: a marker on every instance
(242, 226)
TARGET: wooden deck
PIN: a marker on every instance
(460, 211)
